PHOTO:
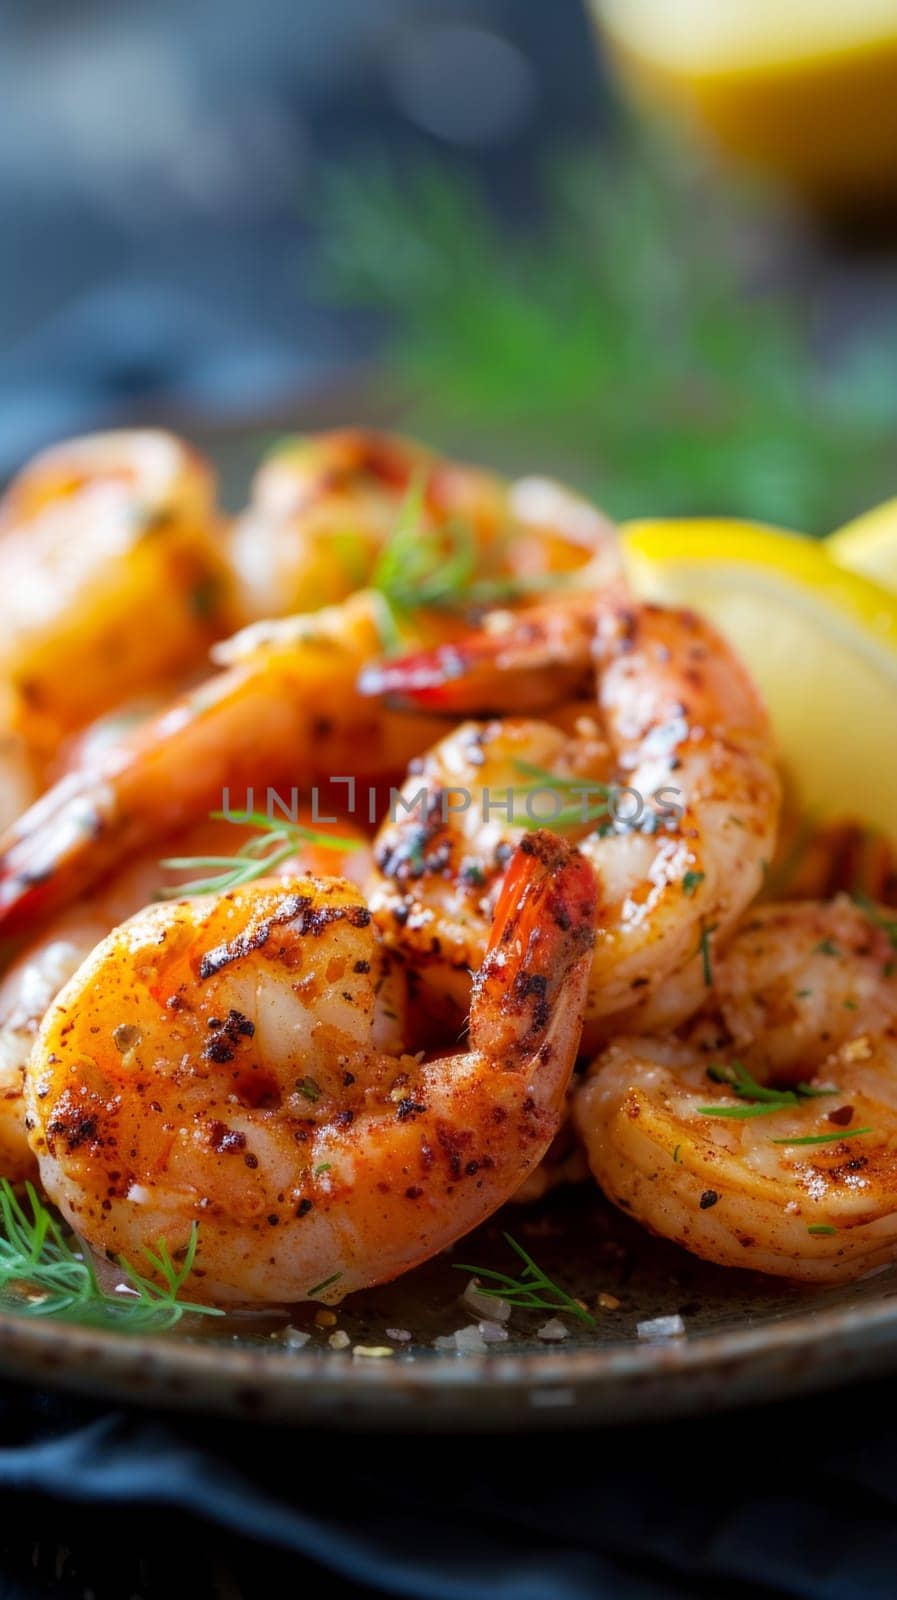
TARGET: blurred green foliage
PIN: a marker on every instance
(617, 339)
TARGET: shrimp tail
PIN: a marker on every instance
(527, 660)
(539, 950)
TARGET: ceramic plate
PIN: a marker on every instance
(745, 1339)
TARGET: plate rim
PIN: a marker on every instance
(614, 1382)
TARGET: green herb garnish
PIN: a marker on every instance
(533, 1290)
(763, 1101)
(278, 840)
(423, 568)
(319, 1287)
(473, 874)
(619, 336)
(821, 1228)
(691, 881)
(826, 947)
(825, 1138)
(704, 947)
(573, 815)
(48, 1276)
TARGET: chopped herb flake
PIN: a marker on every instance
(704, 948)
(327, 1283)
(761, 1101)
(824, 1138)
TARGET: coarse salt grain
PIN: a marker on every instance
(661, 1328)
(401, 1335)
(490, 1306)
(492, 1332)
(295, 1339)
(470, 1338)
(553, 1331)
(465, 1341)
(339, 1340)
(374, 1350)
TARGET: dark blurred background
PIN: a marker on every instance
(438, 214)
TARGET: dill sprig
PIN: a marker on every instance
(760, 1101)
(45, 1275)
(532, 1290)
(626, 343)
(423, 568)
(541, 780)
(278, 839)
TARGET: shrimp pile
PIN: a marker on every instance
(797, 1174)
(541, 937)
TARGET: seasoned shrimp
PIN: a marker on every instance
(681, 746)
(228, 1063)
(285, 713)
(111, 576)
(798, 1179)
(323, 507)
(46, 964)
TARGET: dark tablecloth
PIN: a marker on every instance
(792, 1500)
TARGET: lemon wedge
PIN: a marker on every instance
(806, 90)
(869, 544)
(821, 642)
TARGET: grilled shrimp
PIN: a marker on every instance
(229, 1063)
(38, 973)
(283, 713)
(796, 1174)
(286, 711)
(111, 576)
(670, 792)
(323, 507)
